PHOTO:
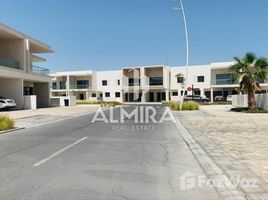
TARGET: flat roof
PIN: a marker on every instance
(72, 73)
(149, 66)
(36, 46)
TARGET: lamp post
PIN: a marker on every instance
(187, 48)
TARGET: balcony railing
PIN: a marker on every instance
(79, 86)
(223, 82)
(40, 70)
(9, 63)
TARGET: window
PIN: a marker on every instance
(200, 79)
(118, 82)
(54, 85)
(156, 81)
(104, 82)
(185, 92)
(107, 94)
(222, 79)
(62, 85)
(174, 93)
(82, 84)
(180, 79)
(93, 95)
(134, 82)
(197, 92)
(117, 94)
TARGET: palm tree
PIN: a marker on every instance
(250, 71)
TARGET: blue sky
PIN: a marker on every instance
(109, 34)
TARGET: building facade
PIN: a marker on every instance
(20, 78)
(148, 83)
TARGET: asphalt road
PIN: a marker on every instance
(77, 159)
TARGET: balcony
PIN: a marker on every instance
(40, 70)
(156, 81)
(223, 82)
(9, 63)
(79, 86)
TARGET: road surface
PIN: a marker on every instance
(77, 159)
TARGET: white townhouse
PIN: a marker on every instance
(148, 83)
(101, 85)
(20, 78)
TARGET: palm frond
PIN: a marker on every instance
(249, 58)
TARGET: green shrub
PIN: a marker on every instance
(88, 102)
(188, 105)
(246, 110)
(111, 103)
(6, 123)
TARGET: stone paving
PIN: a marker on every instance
(237, 143)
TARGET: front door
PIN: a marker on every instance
(151, 97)
(81, 96)
(159, 96)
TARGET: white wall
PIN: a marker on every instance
(14, 50)
(30, 102)
(60, 101)
(112, 86)
(194, 71)
(242, 101)
(12, 89)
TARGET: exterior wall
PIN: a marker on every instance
(193, 73)
(12, 89)
(13, 50)
(30, 102)
(41, 91)
(242, 101)
(112, 77)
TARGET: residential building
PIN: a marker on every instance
(20, 78)
(147, 83)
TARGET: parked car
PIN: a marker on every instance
(229, 98)
(6, 104)
(219, 98)
(197, 98)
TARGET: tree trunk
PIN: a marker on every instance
(252, 105)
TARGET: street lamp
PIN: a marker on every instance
(181, 8)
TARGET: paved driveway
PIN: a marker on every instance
(238, 143)
(77, 159)
(31, 118)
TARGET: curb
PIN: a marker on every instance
(211, 169)
(11, 130)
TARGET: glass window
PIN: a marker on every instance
(118, 82)
(223, 79)
(174, 93)
(180, 79)
(200, 79)
(94, 95)
(107, 94)
(82, 84)
(156, 81)
(62, 85)
(54, 85)
(117, 94)
(104, 82)
(134, 82)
